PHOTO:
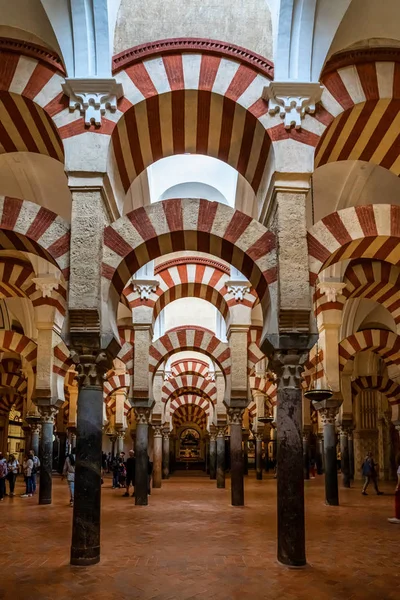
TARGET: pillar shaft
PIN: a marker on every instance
(85, 549)
(237, 485)
(351, 455)
(142, 460)
(306, 455)
(120, 442)
(221, 457)
(46, 453)
(345, 459)
(35, 440)
(245, 437)
(259, 456)
(157, 457)
(213, 456)
(165, 455)
(328, 416)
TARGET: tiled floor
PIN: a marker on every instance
(189, 543)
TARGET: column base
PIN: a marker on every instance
(291, 565)
(45, 501)
(84, 558)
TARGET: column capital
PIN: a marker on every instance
(288, 366)
(258, 437)
(121, 434)
(92, 95)
(91, 367)
(221, 431)
(166, 434)
(157, 431)
(328, 415)
(47, 413)
(292, 99)
(142, 415)
(235, 416)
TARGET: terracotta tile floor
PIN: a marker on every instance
(189, 543)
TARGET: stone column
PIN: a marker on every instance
(85, 549)
(35, 439)
(221, 430)
(351, 453)
(328, 418)
(258, 438)
(157, 456)
(245, 436)
(165, 454)
(306, 453)
(141, 452)
(213, 454)
(235, 416)
(345, 461)
(120, 441)
(47, 414)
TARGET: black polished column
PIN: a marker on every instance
(288, 365)
(213, 454)
(351, 453)
(258, 438)
(328, 418)
(235, 416)
(319, 454)
(345, 458)
(35, 439)
(221, 456)
(85, 548)
(245, 437)
(165, 454)
(47, 414)
(306, 454)
(141, 455)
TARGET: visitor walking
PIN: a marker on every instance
(27, 466)
(118, 471)
(13, 468)
(35, 469)
(396, 518)
(69, 473)
(130, 473)
(370, 474)
(3, 475)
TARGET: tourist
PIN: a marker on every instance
(69, 473)
(13, 468)
(130, 473)
(27, 466)
(109, 462)
(118, 471)
(3, 475)
(369, 472)
(35, 469)
(396, 518)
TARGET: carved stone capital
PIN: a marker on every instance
(292, 99)
(165, 434)
(92, 96)
(258, 437)
(47, 283)
(91, 368)
(47, 414)
(288, 366)
(157, 431)
(145, 287)
(35, 429)
(142, 415)
(238, 289)
(235, 416)
(221, 431)
(121, 434)
(328, 415)
(331, 289)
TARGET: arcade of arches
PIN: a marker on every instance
(194, 232)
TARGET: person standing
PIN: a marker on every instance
(130, 473)
(69, 473)
(12, 467)
(370, 474)
(3, 475)
(28, 467)
(396, 518)
(35, 469)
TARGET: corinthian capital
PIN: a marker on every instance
(328, 415)
(235, 416)
(47, 413)
(142, 415)
(91, 368)
(288, 366)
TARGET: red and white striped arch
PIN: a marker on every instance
(16, 381)
(187, 224)
(360, 109)
(313, 367)
(127, 340)
(190, 338)
(370, 231)
(184, 384)
(189, 412)
(115, 382)
(20, 344)
(8, 399)
(28, 227)
(190, 399)
(386, 386)
(264, 385)
(377, 281)
(254, 354)
(190, 367)
(189, 280)
(385, 343)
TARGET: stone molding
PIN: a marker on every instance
(292, 99)
(91, 368)
(32, 51)
(142, 415)
(192, 260)
(331, 289)
(142, 52)
(288, 365)
(92, 96)
(235, 416)
(360, 56)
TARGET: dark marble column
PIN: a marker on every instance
(235, 416)
(245, 436)
(221, 456)
(306, 454)
(141, 455)
(35, 439)
(351, 453)
(157, 456)
(47, 414)
(345, 459)
(288, 365)
(213, 455)
(28, 437)
(85, 549)
(328, 418)
(258, 439)
(165, 454)
(319, 457)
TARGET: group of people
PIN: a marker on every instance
(9, 470)
(123, 472)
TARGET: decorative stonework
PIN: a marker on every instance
(165, 434)
(142, 415)
(47, 283)
(328, 415)
(33, 51)
(238, 289)
(91, 368)
(360, 56)
(288, 366)
(221, 431)
(145, 287)
(258, 437)
(92, 96)
(47, 413)
(331, 289)
(193, 260)
(235, 416)
(157, 431)
(292, 100)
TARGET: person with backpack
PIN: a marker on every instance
(69, 473)
(12, 467)
(35, 469)
(27, 466)
(370, 474)
(3, 475)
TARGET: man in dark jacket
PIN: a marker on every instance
(130, 473)
(370, 474)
